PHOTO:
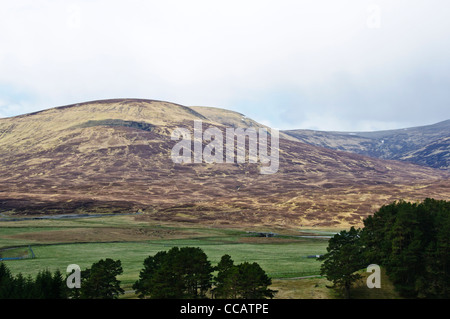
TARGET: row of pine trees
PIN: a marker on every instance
(410, 240)
(179, 273)
(46, 285)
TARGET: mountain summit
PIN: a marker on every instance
(113, 156)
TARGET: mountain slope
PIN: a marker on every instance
(426, 145)
(114, 156)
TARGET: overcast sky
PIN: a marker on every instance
(317, 64)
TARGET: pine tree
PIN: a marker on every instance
(412, 240)
(179, 273)
(24, 287)
(244, 281)
(144, 286)
(43, 285)
(225, 280)
(253, 282)
(6, 282)
(345, 256)
(59, 287)
(100, 281)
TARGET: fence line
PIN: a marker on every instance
(21, 257)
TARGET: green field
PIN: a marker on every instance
(278, 260)
(59, 243)
(84, 241)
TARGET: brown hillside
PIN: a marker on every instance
(114, 156)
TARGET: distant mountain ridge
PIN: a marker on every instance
(424, 145)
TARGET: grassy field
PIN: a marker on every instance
(59, 243)
(84, 241)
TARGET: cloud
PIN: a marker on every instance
(283, 62)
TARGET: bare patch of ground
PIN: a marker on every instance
(307, 288)
(100, 234)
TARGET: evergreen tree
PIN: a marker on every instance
(59, 287)
(253, 282)
(345, 256)
(378, 246)
(179, 273)
(435, 282)
(244, 281)
(144, 286)
(196, 269)
(43, 285)
(412, 240)
(167, 280)
(100, 282)
(6, 282)
(23, 287)
(226, 279)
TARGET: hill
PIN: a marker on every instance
(426, 145)
(114, 156)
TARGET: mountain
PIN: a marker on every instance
(114, 156)
(426, 145)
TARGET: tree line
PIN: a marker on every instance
(46, 285)
(187, 273)
(410, 240)
(98, 282)
(178, 273)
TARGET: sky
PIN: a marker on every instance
(342, 65)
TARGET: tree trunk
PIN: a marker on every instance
(347, 290)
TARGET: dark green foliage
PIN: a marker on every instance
(413, 242)
(144, 286)
(23, 288)
(252, 282)
(59, 286)
(6, 281)
(45, 286)
(187, 273)
(245, 281)
(100, 282)
(343, 258)
(50, 286)
(226, 279)
(179, 273)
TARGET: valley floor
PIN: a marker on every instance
(285, 254)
